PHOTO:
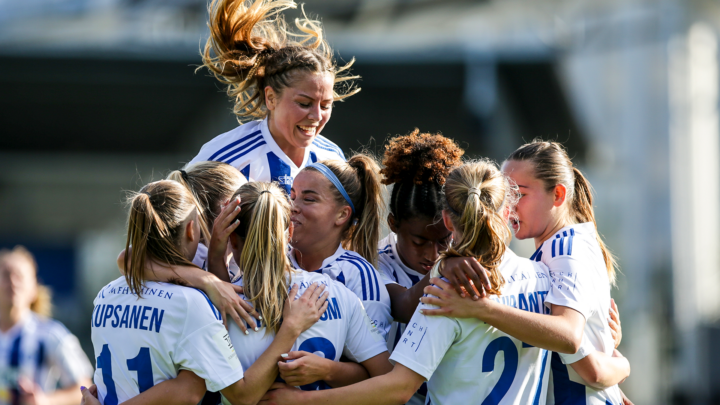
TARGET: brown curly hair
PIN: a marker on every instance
(417, 166)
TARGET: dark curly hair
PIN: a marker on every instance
(417, 166)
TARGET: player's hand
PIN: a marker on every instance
(463, 273)
(281, 394)
(89, 396)
(223, 226)
(450, 303)
(614, 322)
(31, 393)
(225, 298)
(302, 313)
(301, 368)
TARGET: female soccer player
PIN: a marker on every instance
(285, 79)
(212, 184)
(336, 214)
(556, 210)
(416, 165)
(37, 354)
(453, 354)
(145, 332)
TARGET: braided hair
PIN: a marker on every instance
(417, 166)
(251, 47)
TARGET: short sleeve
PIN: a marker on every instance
(586, 347)
(380, 317)
(71, 360)
(571, 285)
(364, 341)
(425, 341)
(206, 349)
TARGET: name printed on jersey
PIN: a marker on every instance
(467, 358)
(343, 329)
(140, 342)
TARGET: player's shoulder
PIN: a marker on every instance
(360, 276)
(227, 146)
(569, 242)
(50, 329)
(326, 149)
(512, 263)
(197, 302)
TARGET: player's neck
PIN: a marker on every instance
(550, 231)
(11, 316)
(311, 258)
(297, 155)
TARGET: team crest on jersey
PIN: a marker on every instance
(285, 179)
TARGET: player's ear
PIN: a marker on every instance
(559, 194)
(190, 233)
(291, 229)
(392, 223)
(448, 222)
(270, 98)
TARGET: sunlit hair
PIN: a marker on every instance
(156, 223)
(417, 165)
(251, 47)
(264, 221)
(360, 176)
(476, 194)
(553, 166)
(42, 304)
(211, 183)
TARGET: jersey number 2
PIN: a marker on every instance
(324, 346)
(141, 363)
(506, 345)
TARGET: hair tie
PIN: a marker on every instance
(184, 175)
(334, 180)
(146, 193)
(474, 190)
(263, 192)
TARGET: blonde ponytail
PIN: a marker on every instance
(264, 222)
(156, 222)
(476, 193)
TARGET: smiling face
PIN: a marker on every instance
(536, 211)
(299, 112)
(420, 241)
(317, 217)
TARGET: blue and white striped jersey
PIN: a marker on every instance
(357, 274)
(466, 359)
(344, 329)
(45, 352)
(252, 150)
(579, 281)
(140, 342)
(393, 270)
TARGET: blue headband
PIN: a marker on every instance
(334, 180)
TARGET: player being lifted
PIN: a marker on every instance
(555, 209)
(453, 354)
(286, 79)
(147, 332)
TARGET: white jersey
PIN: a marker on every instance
(357, 274)
(200, 260)
(579, 281)
(394, 271)
(253, 151)
(140, 342)
(43, 351)
(461, 358)
(344, 329)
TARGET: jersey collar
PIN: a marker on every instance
(270, 141)
(326, 263)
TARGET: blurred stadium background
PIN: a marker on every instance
(101, 96)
